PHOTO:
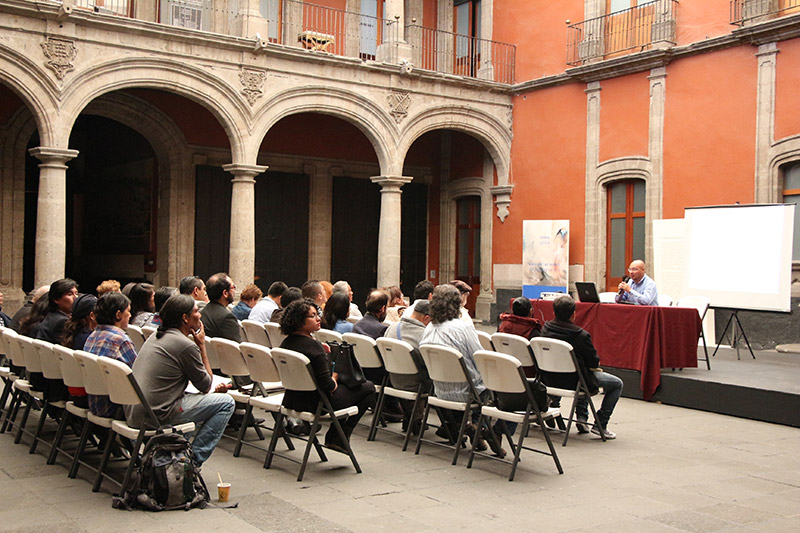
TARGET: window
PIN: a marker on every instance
(612, 6)
(193, 14)
(791, 195)
(271, 10)
(371, 27)
(625, 229)
(467, 27)
(468, 245)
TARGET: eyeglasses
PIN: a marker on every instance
(315, 315)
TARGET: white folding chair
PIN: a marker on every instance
(211, 353)
(298, 375)
(700, 303)
(256, 333)
(447, 365)
(32, 364)
(515, 346)
(136, 335)
(353, 319)
(7, 375)
(328, 335)
(52, 371)
(124, 390)
(15, 391)
(147, 331)
(71, 373)
(486, 340)
(274, 333)
(503, 373)
(369, 359)
(557, 357)
(396, 355)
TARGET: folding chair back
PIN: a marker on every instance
(353, 320)
(136, 335)
(294, 370)
(443, 363)
(211, 353)
(256, 333)
(31, 355)
(274, 333)
(397, 357)
(70, 369)
(148, 331)
(486, 340)
(118, 380)
(4, 350)
(365, 350)
(93, 380)
(259, 363)
(50, 367)
(230, 358)
(513, 345)
(13, 342)
(328, 335)
(553, 355)
(500, 371)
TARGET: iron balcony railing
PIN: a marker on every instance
(749, 11)
(646, 26)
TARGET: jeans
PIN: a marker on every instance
(212, 411)
(612, 388)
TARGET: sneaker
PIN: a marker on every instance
(609, 435)
(583, 425)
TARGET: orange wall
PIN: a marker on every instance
(624, 116)
(538, 30)
(341, 140)
(429, 14)
(709, 130)
(548, 168)
(787, 104)
(701, 19)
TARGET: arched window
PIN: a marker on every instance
(625, 228)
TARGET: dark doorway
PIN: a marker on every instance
(212, 221)
(354, 240)
(468, 246)
(414, 238)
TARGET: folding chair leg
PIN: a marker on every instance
(596, 421)
(137, 446)
(373, 427)
(705, 349)
(570, 419)
(312, 437)
(273, 441)
(474, 444)
(24, 420)
(242, 429)
(58, 438)
(461, 432)
(346, 442)
(422, 427)
(98, 480)
(11, 414)
(73, 470)
(39, 427)
(4, 396)
(410, 427)
(546, 433)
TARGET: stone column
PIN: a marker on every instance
(766, 181)
(594, 244)
(655, 185)
(394, 49)
(242, 260)
(389, 230)
(51, 214)
(320, 207)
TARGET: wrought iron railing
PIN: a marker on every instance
(748, 11)
(461, 55)
(639, 28)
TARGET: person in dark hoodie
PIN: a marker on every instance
(520, 321)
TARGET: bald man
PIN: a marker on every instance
(640, 289)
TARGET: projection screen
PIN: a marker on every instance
(740, 256)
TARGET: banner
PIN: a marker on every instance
(545, 257)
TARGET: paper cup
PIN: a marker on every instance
(224, 491)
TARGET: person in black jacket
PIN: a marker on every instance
(299, 321)
(563, 328)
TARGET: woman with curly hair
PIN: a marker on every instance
(299, 321)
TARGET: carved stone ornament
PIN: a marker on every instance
(252, 82)
(59, 54)
(398, 104)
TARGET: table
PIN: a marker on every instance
(638, 337)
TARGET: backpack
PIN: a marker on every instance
(166, 477)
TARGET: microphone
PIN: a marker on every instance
(625, 279)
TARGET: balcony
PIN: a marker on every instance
(324, 30)
(647, 26)
(744, 12)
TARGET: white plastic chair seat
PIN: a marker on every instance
(77, 411)
(308, 416)
(399, 393)
(5, 371)
(61, 404)
(24, 386)
(328, 335)
(101, 421)
(122, 428)
(238, 396)
(447, 404)
(268, 403)
(273, 386)
(516, 416)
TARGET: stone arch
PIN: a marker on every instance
(782, 152)
(596, 210)
(350, 106)
(171, 76)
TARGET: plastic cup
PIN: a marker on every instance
(224, 491)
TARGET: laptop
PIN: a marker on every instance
(587, 292)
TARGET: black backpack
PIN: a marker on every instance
(166, 477)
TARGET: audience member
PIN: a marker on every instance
(396, 305)
(263, 310)
(218, 321)
(520, 321)
(292, 294)
(143, 303)
(464, 289)
(171, 358)
(76, 331)
(30, 323)
(112, 313)
(372, 324)
(640, 289)
(313, 289)
(247, 301)
(109, 285)
(23, 311)
(194, 287)
(564, 328)
(299, 321)
(327, 286)
(335, 314)
(423, 290)
(343, 286)
(60, 299)
(162, 295)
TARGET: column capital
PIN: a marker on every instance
(244, 172)
(502, 194)
(391, 183)
(49, 155)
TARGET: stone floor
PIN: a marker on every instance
(670, 469)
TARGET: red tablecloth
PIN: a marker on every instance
(638, 337)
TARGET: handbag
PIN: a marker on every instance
(346, 365)
(539, 391)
